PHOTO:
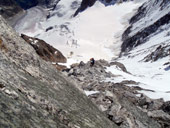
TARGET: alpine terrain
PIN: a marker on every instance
(49, 79)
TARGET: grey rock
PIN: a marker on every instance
(34, 94)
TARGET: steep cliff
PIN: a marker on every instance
(34, 94)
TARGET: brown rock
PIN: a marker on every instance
(44, 50)
(60, 67)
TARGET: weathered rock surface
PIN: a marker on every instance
(34, 94)
(122, 104)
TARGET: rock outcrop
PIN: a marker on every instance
(84, 4)
(34, 94)
(44, 50)
(122, 104)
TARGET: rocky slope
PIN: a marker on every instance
(34, 94)
(123, 105)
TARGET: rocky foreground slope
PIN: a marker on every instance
(34, 94)
(122, 104)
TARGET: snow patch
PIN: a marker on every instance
(88, 93)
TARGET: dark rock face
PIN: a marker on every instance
(120, 65)
(117, 100)
(89, 3)
(25, 4)
(9, 8)
(44, 50)
(166, 107)
(160, 52)
(85, 4)
(34, 94)
(141, 36)
(111, 2)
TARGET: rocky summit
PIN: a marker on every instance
(34, 94)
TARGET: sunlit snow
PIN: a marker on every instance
(95, 32)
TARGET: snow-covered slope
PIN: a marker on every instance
(146, 46)
(95, 32)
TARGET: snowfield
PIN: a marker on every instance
(95, 32)
(150, 75)
(30, 24)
